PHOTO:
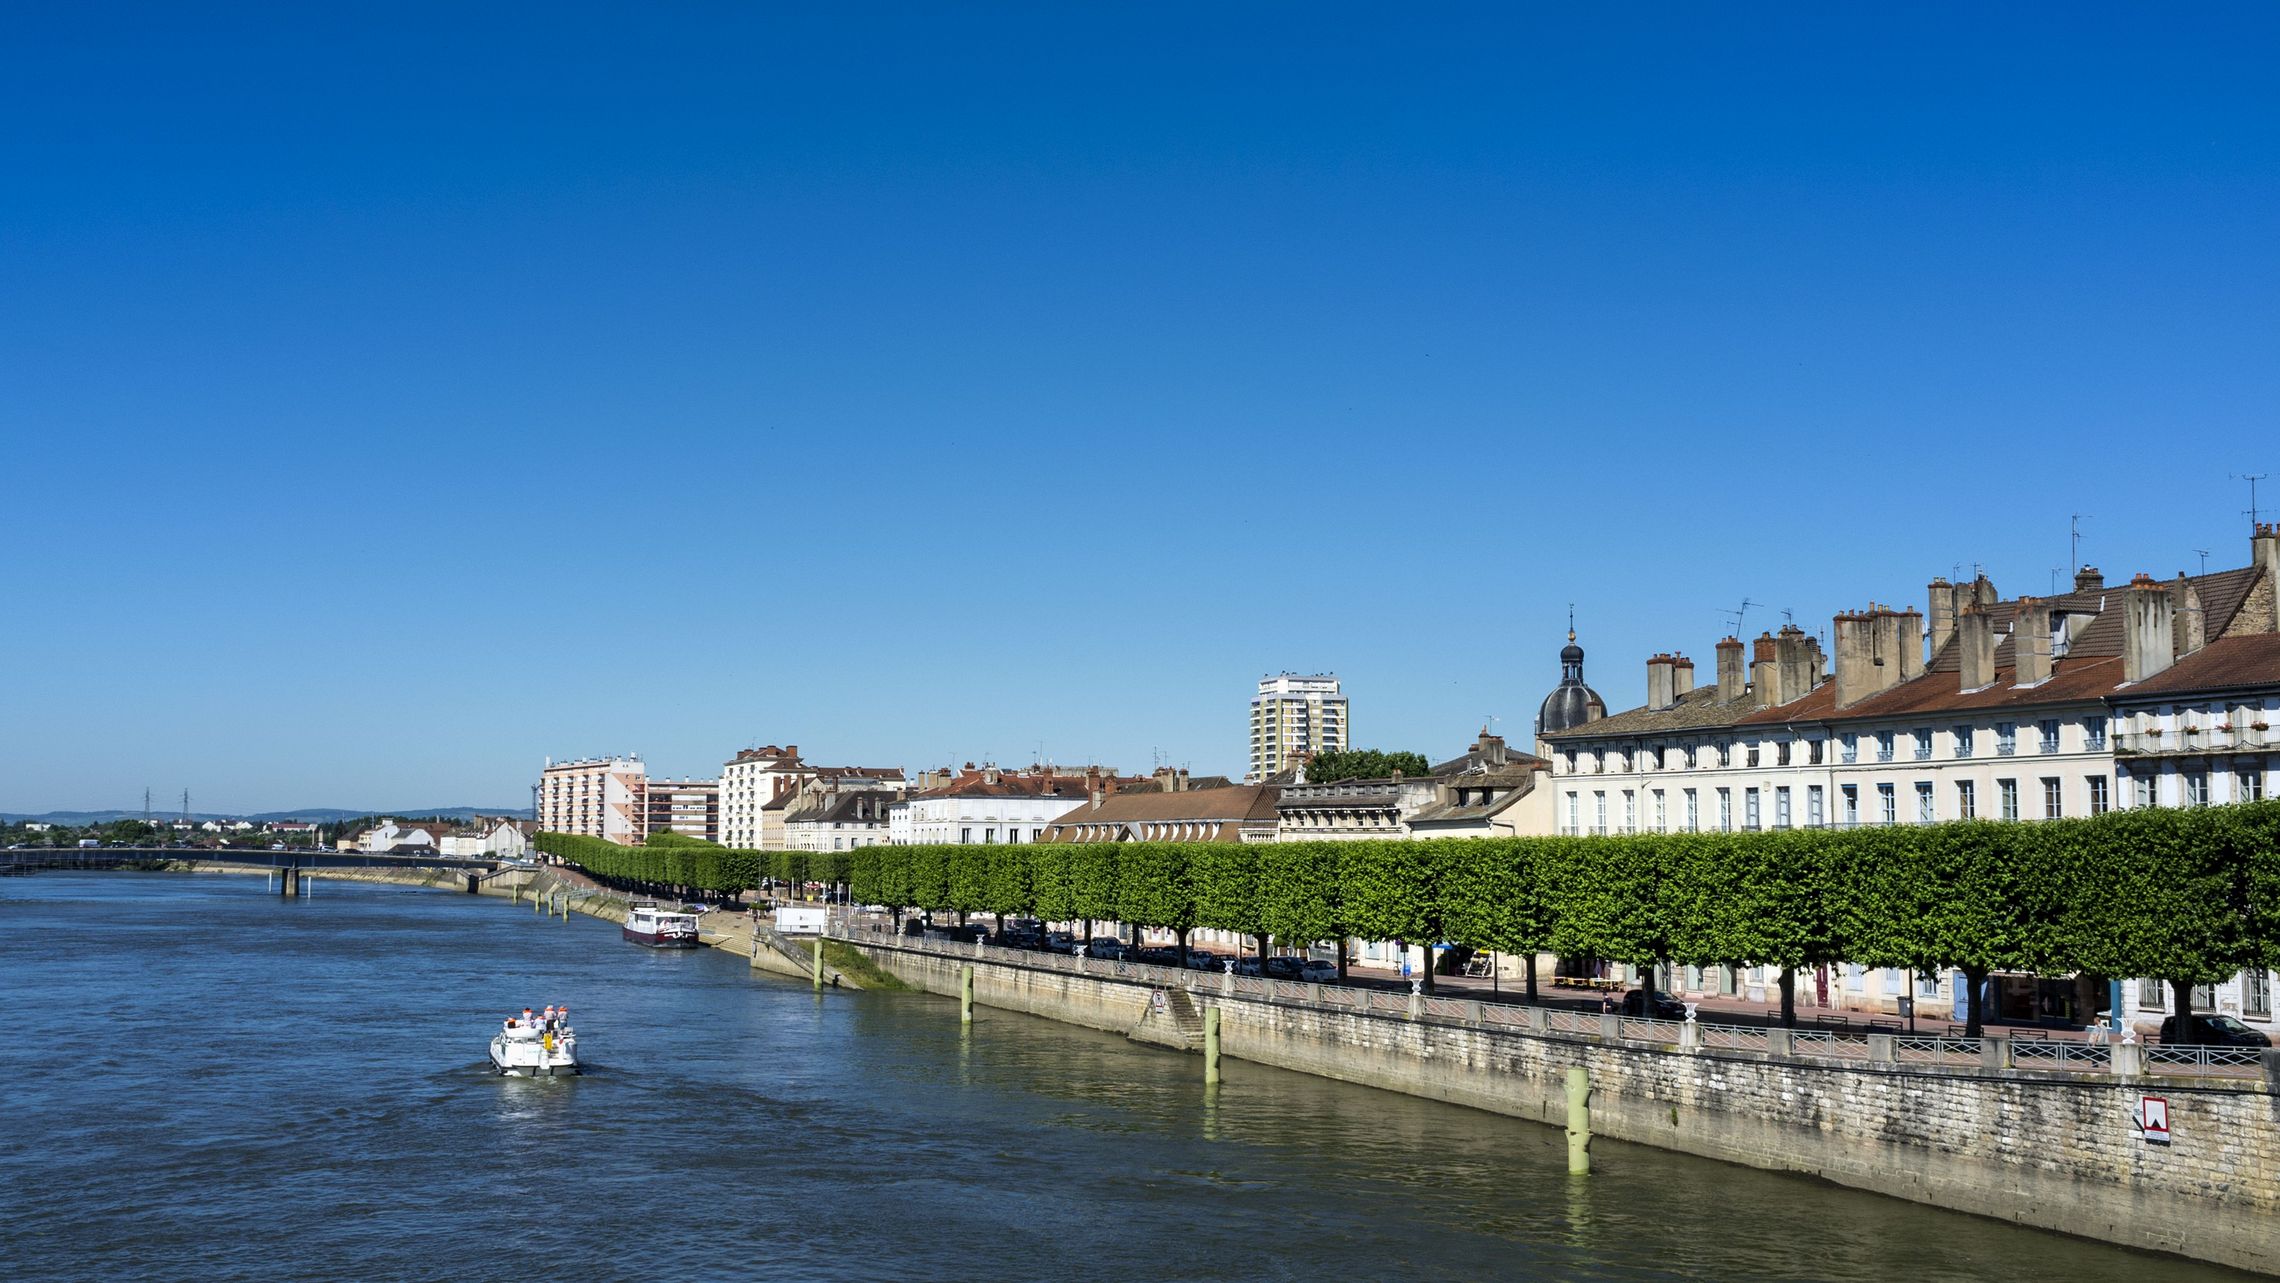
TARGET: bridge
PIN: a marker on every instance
(290, 863)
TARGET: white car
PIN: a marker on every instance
(1316, 971)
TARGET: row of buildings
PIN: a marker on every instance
(2146, 693)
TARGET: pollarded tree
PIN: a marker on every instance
(929, 877)
(1606, 896)
(1009, 891)
(1155, 887)
(2155, 893)
(1392, 892)
(968, 882)
(1299, 898)
(1364, 764)
(1492, 898)
(1052, 888)
(1092, 882)
(1227, 886)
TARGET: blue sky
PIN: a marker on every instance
(392, 400)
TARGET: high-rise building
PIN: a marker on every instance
(1293, 715)
(690, 808)
(601, 797)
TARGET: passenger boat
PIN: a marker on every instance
(536, 1046)
(661, 928)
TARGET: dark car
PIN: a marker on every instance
(1108, 947)
(913, 927)
(1206, 960)
(1012, 939)
(962, 935)
(1157, 957)
(1284, 968)
(1664, 1006)
(1060, 942)
(1246, 966)
(2212, 1031)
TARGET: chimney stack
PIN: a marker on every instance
(2264, 554)
(1661, 689)
(2030, 643)
(2149, 629)
(1796, 663)
(1094, 787)
(1975, 640)
(2191, 627)
(1731, 682)
(1866, 660)
(1765, 681)
(2089, 579)
(1941, 594)
(1681, 677)
(1910, 625)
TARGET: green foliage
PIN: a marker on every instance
(1155, 884)
(693, 866)
(1364, 764)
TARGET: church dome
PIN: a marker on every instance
(1571, 703)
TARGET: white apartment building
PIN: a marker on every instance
(985, 805)
(1293, 715)
(2023, 709)
(839, 809)
(751, 780)
(603, 797)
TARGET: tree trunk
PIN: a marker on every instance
(1342, 942)
(1789, 997)
(1974, 979)
(1183, 935)
(2181, 1001)
(1262, 939)
(1531, 977)
(1647, 988)
(1428, 968)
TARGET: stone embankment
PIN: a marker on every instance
(2064, 1151)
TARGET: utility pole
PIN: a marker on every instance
(185, 806)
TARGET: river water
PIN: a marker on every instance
(199, 1080)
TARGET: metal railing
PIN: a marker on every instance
(1857, 1047)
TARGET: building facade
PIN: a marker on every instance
(601, 797)
(2011, 709)
(690, 808)
(748, 782)
(1490, 791)
(1293, 717)
(840, 810)
(987, 805)
(1172, 812)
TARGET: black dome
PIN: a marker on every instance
(1571, 703)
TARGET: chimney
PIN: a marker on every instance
(1941, 594)
(2264, 555)
(1911, 643)
(1661, 691)
(2030, 643)
(1975, 640)
(1795, 660)
(792, 751)
(1765, 683)
(2149, 636)
(1730, 680)
(1183, 779)
(1681, 677)
(1865, 663)
(1094, 788)
(2089, 579)
(2190, 632)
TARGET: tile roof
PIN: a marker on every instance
(1236, 802)
(2229, 663)
(1698, 709)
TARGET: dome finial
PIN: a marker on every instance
(1571, 621)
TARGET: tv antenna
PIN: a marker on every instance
(1737, 614)
(2204, 559)
(1788, 617)
(2254, 514)
(2074, 538)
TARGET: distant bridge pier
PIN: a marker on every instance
(289, 886)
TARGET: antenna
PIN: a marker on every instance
(2204, 559)
(1788, 617)
(1739, 613)
(2074, 538)
(2254, 514)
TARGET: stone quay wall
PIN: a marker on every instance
(2055, 1150)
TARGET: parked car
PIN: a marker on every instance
(1157, 957)
(1664, 1006)
(1283, 968)
(1246, 966)
(914, 926)
(1012, 939)
(1205, 960)
(2212, 1031)
(966, 934)
(1107, 947)
(1316, 971)
(1060, 942)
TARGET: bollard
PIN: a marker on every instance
(815, 949)
(1211, 1046)
(1579, 1121)
(966, 994)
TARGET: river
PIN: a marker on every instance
(199, 1080)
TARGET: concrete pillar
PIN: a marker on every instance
(1777, 1041)
(1610, 1026)
(2129, 1061)
(1880, 1050)
(289, 885)
(1210, 1046)
(1995, 1051)
(815, 964)
(965, 993)
(1690, 1037)
(1539, 1019)
(1579, 1121)
(1475, 1012)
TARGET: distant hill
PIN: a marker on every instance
(306, 815)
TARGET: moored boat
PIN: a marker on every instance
(536, 1046)
(661, 928)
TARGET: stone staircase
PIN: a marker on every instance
(1169, 1020)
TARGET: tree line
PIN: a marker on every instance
(673, 863)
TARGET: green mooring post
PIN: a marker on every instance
(966, 994)
(1211, 1046)
(815, 947)
(1579, 1121)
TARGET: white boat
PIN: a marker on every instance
(542, 1047)
(661, 928)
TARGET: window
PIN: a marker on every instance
(1693, 811)
(989, 836)
(2153, 995)
(1726, 810)
(1573, 822)
(2248, 786)
(2256, 992)
(2008, 792)
(2196, 788)
(2050, 735)
(1599, 812)
(1753, 756)
(1966, 801)
(1884, 741)
(1690, 757)
(2141, 789)
(1813, 804)
(1662, 813)
(1963, 741)
(1850, 747)
(1750, 809)
(2094, 734)
(2054, 798)
(2099, 803)
(1852, 804)
(1630, 810)
(965, 837)
(1924, 744)
(1924, 813)
(1813, 752)
(2006, 738)
(1568, 756)
(1887, 804)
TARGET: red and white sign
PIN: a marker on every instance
(2153, 1119)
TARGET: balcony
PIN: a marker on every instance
(1923, 752)
(1884, 755)
(2006, 750)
